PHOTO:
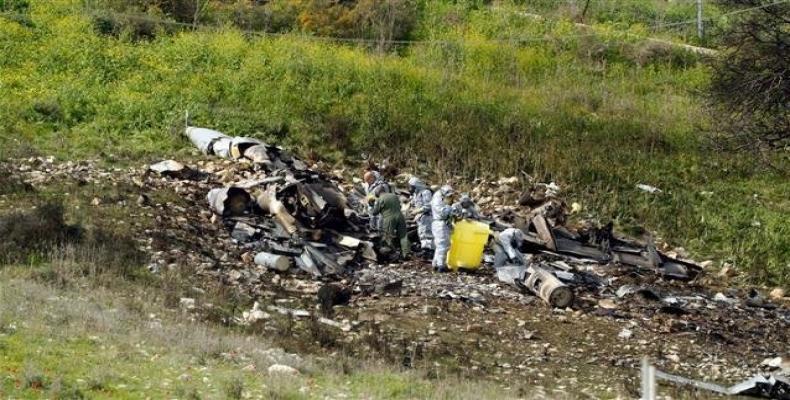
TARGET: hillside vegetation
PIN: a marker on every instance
(100, 343)
(486, 91)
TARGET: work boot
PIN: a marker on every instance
(426, 254)
(384, 254)
(394, 257)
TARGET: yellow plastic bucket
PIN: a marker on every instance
(467, 243)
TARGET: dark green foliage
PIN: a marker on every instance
(48, 111)
(382, 21)
(751, 79)
(234, 388)
(33, 378)
(42, 235)
(17, 11)
(650, 53)
(110, 252)
(19, 6)
(136, 27)
(26, 234)
(62, 390)
(10, 184)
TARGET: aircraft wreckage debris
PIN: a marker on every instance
(265, 222)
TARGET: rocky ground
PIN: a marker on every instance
(462, 324)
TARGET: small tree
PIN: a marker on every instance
(385, 20)
(751, 80)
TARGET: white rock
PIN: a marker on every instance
(625, 334)
(721, 297)
(727, 271)
(648, 188)
(257, 315)
(167, 166)
(777, 294)
(552, 190)
(187, 303)
(280, 369)
(607, 304)
(512, 180)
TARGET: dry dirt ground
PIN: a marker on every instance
(465, 325)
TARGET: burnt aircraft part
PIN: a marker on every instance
(307, 264)
(258, 154)
(273, 261)
(331, 267)
(231, 201)
(763, 386)
(548, 287)
(320, 204)
(544, 232)
(269, 203)
(239, 145)
(244, 232)
(204, 138)
(331, 295)
(678, 269)
(574, 248)
(283, 249)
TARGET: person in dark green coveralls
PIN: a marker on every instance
(393, 223)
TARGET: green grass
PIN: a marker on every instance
(598, 113)
(664, 18)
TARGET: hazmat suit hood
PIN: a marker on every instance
(466, 200)
(417, 184)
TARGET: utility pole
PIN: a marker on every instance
(648, 379)
(700, 31)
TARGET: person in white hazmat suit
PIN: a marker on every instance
(466, 208)
(421, 210)
(441, 212)
(506, 247)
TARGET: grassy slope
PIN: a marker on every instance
(598, 114)
(100, 343)
(666, 18)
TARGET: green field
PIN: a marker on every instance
(484, 92)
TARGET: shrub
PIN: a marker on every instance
(234, 388)
(30, 234)
(106, 24)
(33, 378)
(18, 6)
(751, 79)
(48, 110)
(660, 53)
(11, 184)
(135, 28)
(42, 235)
(62, 390)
